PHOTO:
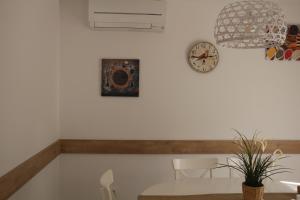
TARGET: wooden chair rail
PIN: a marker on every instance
(167, 146)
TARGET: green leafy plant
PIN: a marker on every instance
(253, 162)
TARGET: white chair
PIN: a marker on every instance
(233, 162)
(194, 168)
(107, 190)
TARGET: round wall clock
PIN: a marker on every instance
(203, 57)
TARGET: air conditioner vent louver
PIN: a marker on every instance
(124, 13)
(147, 15)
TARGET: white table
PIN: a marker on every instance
(210, 186)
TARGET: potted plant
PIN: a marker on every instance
(255, 164)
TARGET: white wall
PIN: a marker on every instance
(245, 92)
(29, 58)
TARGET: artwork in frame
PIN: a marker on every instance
(120, 77)
(290, 50)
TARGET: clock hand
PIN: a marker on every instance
(202, 56)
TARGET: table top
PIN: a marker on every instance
(193, 188)
(268, 196)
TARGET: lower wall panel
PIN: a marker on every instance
(16, 178)
(44, 186)
(133, 173)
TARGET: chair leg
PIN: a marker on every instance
(177, 175)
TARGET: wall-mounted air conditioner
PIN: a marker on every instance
(146, 15)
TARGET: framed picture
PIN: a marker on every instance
(120, 77)
(290, 50)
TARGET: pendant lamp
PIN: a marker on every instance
(250, 24)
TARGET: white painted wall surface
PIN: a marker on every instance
(245, 92)
(44, 186)
(29, 58)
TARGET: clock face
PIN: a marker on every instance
(203, 57)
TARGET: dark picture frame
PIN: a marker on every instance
(120, 77)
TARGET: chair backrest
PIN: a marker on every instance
(192, 168)
(233, 162)
(106, 181)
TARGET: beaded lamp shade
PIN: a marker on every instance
(250, 24)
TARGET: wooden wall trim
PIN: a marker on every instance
(17, 177)
(145, 146)
(167, 146)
